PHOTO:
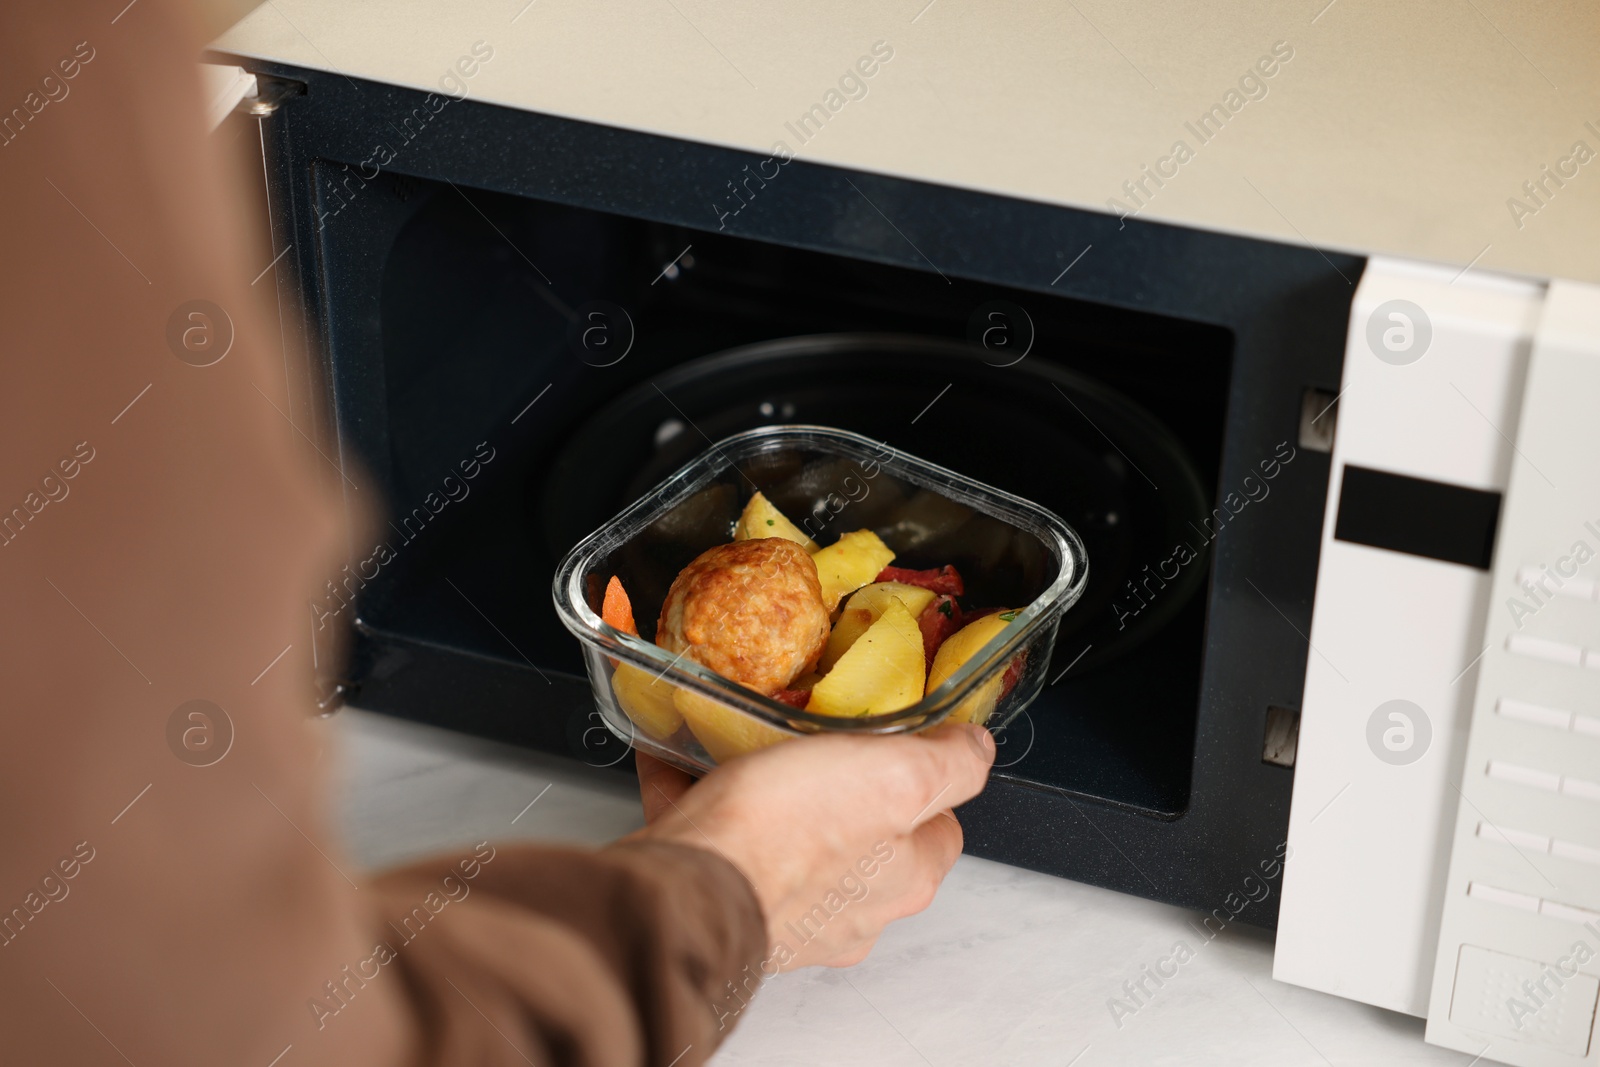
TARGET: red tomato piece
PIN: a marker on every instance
(945, 580)
(795, 698)
(938, 620)
(1013, 674)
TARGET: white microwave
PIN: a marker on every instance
(1395, 677)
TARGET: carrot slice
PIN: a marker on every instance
(617, 610)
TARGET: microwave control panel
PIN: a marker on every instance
(1517, 974)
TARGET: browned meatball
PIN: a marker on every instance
(752, 611)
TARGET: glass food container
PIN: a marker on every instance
(1013, 554)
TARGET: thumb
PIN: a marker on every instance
(951, 766)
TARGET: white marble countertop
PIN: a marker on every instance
(1007, 966)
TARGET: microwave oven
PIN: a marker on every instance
(1335, 672)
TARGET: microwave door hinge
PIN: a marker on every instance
(270, 94)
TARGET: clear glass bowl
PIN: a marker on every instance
(1011, 553)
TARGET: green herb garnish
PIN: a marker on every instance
(945, 608)
(1008, 616)
(772, 522)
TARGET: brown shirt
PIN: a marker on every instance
(160, 536)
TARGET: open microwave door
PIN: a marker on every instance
(1445, 827)
(1432, 386)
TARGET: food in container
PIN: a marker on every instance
(800, 579)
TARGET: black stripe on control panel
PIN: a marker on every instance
(1404, 514)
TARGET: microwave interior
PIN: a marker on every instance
(587, 356)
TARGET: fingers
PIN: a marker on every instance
(797, 818)
(881, 785)
(943, 839)
(906, 886)
(948, 766)
(850, 956)
(660, 785)
(930, 851)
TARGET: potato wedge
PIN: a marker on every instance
(647, 700)
(865, 607)
(723, 732)
(850, 563)
(762, 519)
(882, 671)
(956, 650)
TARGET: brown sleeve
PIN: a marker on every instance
(628, 959)
(161, 535)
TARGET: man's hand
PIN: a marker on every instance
(838, 835)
